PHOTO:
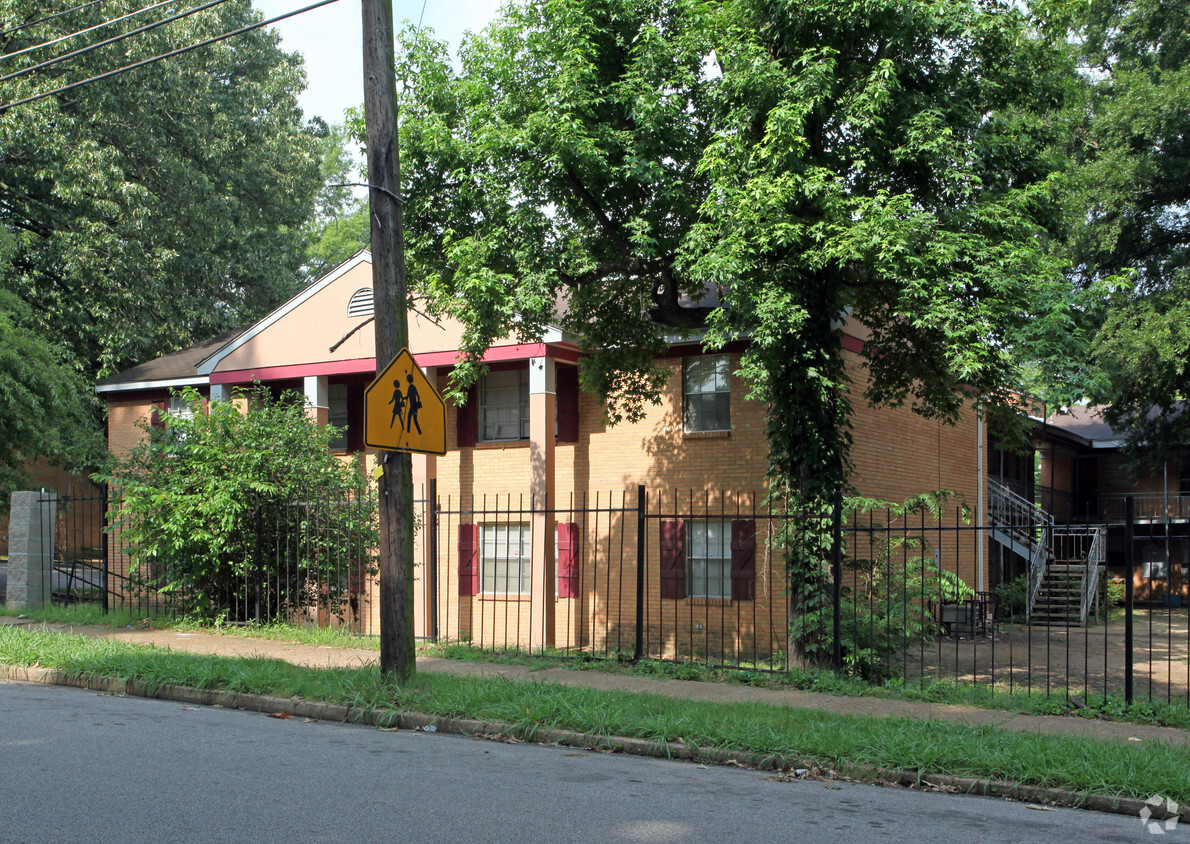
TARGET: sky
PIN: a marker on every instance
(330, 38)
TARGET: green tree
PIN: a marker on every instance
(46, 406)
(802, 162)
(1130, 198)
(341, 225)
(159, 206)
(196, 500)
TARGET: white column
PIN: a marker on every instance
(542, 414)
(317, 404)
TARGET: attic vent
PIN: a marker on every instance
(361, 303)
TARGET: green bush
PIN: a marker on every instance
(196, 501)
(891, 588)
(1112, 593)
(1012, 597)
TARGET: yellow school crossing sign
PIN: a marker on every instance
(403, 411)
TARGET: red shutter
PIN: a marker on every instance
(743, 560)
(673, 560)
(467, 420)
(567, 406)
(355, 417)
(156, 420)
(568, 559)
(468, 559)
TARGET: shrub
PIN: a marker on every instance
(891, 586)
(196, 501)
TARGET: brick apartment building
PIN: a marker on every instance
(703, 447)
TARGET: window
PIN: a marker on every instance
(709, 559)
(504, 559)
(504, 406)
(706, 389)
(179, 408)
(336, 399)
(1153, 562)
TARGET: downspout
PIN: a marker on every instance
(981, 540)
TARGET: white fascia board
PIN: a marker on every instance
(1107, 443)
(188, 381)
(208, 364)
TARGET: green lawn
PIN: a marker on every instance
(822, 738)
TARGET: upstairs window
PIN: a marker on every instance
(504, 406)
(706, 389)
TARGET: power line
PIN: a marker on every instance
(112, 40)
(158, 58)
(88, 29)
(21, 26)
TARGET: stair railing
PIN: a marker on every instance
(1041, 555)
(1096, 557)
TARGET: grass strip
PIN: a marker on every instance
(981, 695)
(823, 738)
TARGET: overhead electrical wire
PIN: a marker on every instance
(88, 29)
(158, 58)
(21, 26)
(112, 40)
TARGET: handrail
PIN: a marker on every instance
(1095, 558)
(1037, 571)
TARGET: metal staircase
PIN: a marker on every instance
(1064, 560)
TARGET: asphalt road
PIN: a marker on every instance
(79, 766)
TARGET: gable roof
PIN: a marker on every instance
(211, 361)
(173, 370)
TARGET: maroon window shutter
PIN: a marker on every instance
(568, 558)
(468, 559)
(156, 420)
(743, 560)
(467, 419)
(567, 396)
(355, 417)
(673, 560)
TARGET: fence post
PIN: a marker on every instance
(103, 549)
(1129, 568)
(431, 512)
(256, 565)
(638, 650)
(837, 580)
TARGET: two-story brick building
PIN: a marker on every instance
(536, 493)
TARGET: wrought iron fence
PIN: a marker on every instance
(702, 577)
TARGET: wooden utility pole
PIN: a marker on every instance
(392, 332)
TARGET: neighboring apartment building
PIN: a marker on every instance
(527, 434)
(1085, 477)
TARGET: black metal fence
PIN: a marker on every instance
(702, 577)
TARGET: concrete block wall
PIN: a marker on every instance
(31, 534)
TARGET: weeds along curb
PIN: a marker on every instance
(389, 718)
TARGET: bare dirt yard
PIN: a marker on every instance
(1088, 659)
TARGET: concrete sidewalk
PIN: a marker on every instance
(327, 657)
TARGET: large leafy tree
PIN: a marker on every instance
(1130, 235)
(801, 162)
(160, 205)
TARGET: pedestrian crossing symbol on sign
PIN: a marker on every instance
(403, 411)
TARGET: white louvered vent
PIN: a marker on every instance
(361, 303)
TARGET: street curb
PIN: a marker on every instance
(496, 730)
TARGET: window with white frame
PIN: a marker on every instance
(179, 408)
(504, 559)
(706, 390)
(708, 559)
(336, 400)
(504, 405)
